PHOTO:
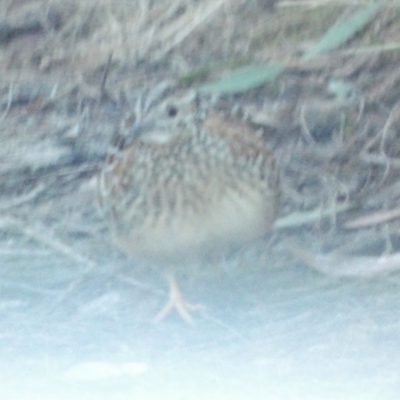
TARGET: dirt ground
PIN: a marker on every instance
(310, 311)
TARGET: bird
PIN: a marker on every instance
(182, 182)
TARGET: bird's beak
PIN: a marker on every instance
(140, 128)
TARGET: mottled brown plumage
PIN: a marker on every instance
(184, 183)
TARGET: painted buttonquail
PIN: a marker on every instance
(181, 183)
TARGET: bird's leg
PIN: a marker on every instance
(176, 301)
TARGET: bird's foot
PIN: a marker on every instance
(176, 302)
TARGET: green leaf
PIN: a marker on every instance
(342, 31)
(201, 74)
(243, 79)
(307, 217)
(341, 89)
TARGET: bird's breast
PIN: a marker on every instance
(194, 228)
(174, 203)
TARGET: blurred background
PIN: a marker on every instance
(310, 310)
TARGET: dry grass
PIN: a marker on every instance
(56, 118)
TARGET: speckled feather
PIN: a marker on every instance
(187, 186)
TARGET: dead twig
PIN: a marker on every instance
(40, 234)
(347, 266)
(377, 218)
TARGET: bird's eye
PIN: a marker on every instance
(172, 111)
